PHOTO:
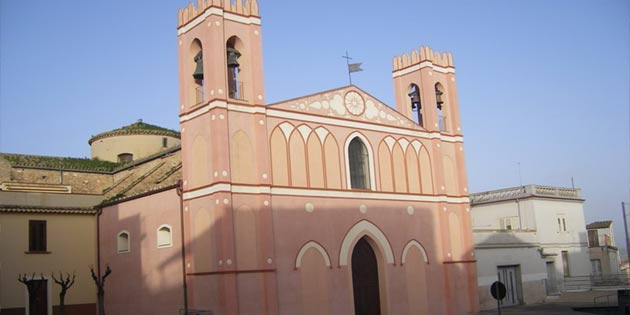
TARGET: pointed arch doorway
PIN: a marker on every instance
(365, 279)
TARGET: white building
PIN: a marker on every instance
(530, 238)
(602, 248)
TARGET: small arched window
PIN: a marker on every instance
(439, 100)
(125, 157)
(416, 106)
(123, 242)
(359, 163)
(235, 86)
(164, 236)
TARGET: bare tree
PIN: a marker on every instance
(100, 284)
(33, 285)
(65, 284)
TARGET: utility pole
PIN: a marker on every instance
(625, 225)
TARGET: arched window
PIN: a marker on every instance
(196, 88)
(359, 162)
(164, 236)
(235, 86)
(125, 157)
(416, 106)
(439, 99)
(123, 242)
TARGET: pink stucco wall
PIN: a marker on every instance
(147, 279)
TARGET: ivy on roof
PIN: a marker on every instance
(60, 163)
(137, 128)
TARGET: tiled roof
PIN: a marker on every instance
(599, 225)
(55, 210)
(137, 128)
(59, 163)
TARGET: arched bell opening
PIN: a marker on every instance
(235, 66)
(441, 106)
(416, 105)
(195, 92)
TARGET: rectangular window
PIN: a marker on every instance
(565, 263)
(37, 236)
(596, 265)
(562, 224)
(164, 142)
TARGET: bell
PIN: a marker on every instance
(198, 74)
(438, 97)
(415, 100)
(232, 57)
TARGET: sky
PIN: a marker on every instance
(543, 86)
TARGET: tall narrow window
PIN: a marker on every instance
(235, 87)
(416, 106)
(164, 142)
(439, 99)
(37, 236)
(164, 236)
(358, 159)
(565, 263)
(123, 242)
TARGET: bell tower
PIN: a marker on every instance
(424, 83)
(225, 158)
(220, 53)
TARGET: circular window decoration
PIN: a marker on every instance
(354, 103)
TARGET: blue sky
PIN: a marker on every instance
(543, 83)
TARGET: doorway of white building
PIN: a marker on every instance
(510, 276)
(551, 282)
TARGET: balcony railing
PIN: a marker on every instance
(442, 122)
(525, 191)
(237, 91)
(199, 98)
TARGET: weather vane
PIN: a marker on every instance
(352, 67)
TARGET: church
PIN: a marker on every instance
(330, 203)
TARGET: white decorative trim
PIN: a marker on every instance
(413, 243)
(305, 248)
(206, 191)
(246, 109)
(321, 133)
(390, 143)
(358, 230)
(368, 145)
(404, 143)
(241, 19)
(361, 125)
(307, 192)
(287, 129)
(203, 110)
(416, 145)
(421, 65)
(196, 21)
(305, 131)
(353, 194)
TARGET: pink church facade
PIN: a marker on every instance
(332, 203)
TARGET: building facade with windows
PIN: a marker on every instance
(331, 203)
(603, 249)
(530, 238)
(49, 210)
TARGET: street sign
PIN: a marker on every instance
(498, 290)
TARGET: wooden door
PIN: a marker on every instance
(365, 279)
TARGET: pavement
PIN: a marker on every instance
(562, 305)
